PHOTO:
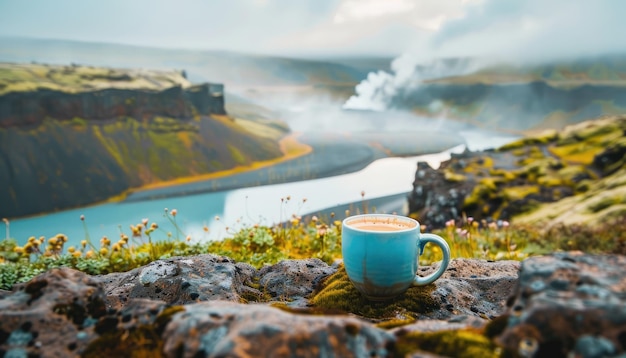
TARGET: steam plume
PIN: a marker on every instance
(378, 90)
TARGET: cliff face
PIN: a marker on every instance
(61, 150)
(31, 108)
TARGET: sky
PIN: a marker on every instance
(516, 29)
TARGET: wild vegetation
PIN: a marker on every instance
(297, 238)
(582, 167)
(569, 177)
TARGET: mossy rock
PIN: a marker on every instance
(543, 138)
(453, 177)
(513, 193)
(140, 341)
(506, 175)
(483, 191)
(338, 293)
(599, 127)
(458, 343)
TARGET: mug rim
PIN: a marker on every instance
(416, 227)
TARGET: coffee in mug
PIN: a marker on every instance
(381, 254)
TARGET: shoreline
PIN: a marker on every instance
(330, 154)
(289, 146)
(326, 157)
(388, 204)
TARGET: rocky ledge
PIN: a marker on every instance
(207, 305)
(574, 176)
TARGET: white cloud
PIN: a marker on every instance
(374, 26)
(535, 30)
(355, 10)
(521, 29)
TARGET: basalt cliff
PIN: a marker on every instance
(126, 129)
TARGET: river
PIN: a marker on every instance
(226, 211)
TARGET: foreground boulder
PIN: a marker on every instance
(224, 329)
(52, 315)
(211, 277)
(562, 304)
(568, 304)
(180, 281)
(468, 291)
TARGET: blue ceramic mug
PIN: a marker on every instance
(381, 254)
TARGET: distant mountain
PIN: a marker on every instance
(521, 98)
(229, 68)
(67, 139)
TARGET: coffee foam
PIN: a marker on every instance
(380, 224)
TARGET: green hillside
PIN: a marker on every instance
(605, 70)
(231, 69)
(58, 159)
(19, 77)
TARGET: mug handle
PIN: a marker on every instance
(439, 241)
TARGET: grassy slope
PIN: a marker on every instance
(43, 172)
(30, 77)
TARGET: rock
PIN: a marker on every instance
(52, 315)
(568, 303)
(564, 304)
(30, 108)
(293, 279)
(469, 294)
(436, 325)
(434, 199)
(182, 280)
(473, 287)
(226, 329)
(209, 277)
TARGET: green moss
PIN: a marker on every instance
(338, 293)
(542, 138)
(165, 317)
(78, 122)
(394, 323)
(603, 203)
(484, 190)
(137, 342)
(506, 175)
(452, 177)
(479, 165)
(236, 154)
(252, 296)
(578, 152)
(517, 144)
(519, 192)
(550, 181)
(460, 343)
